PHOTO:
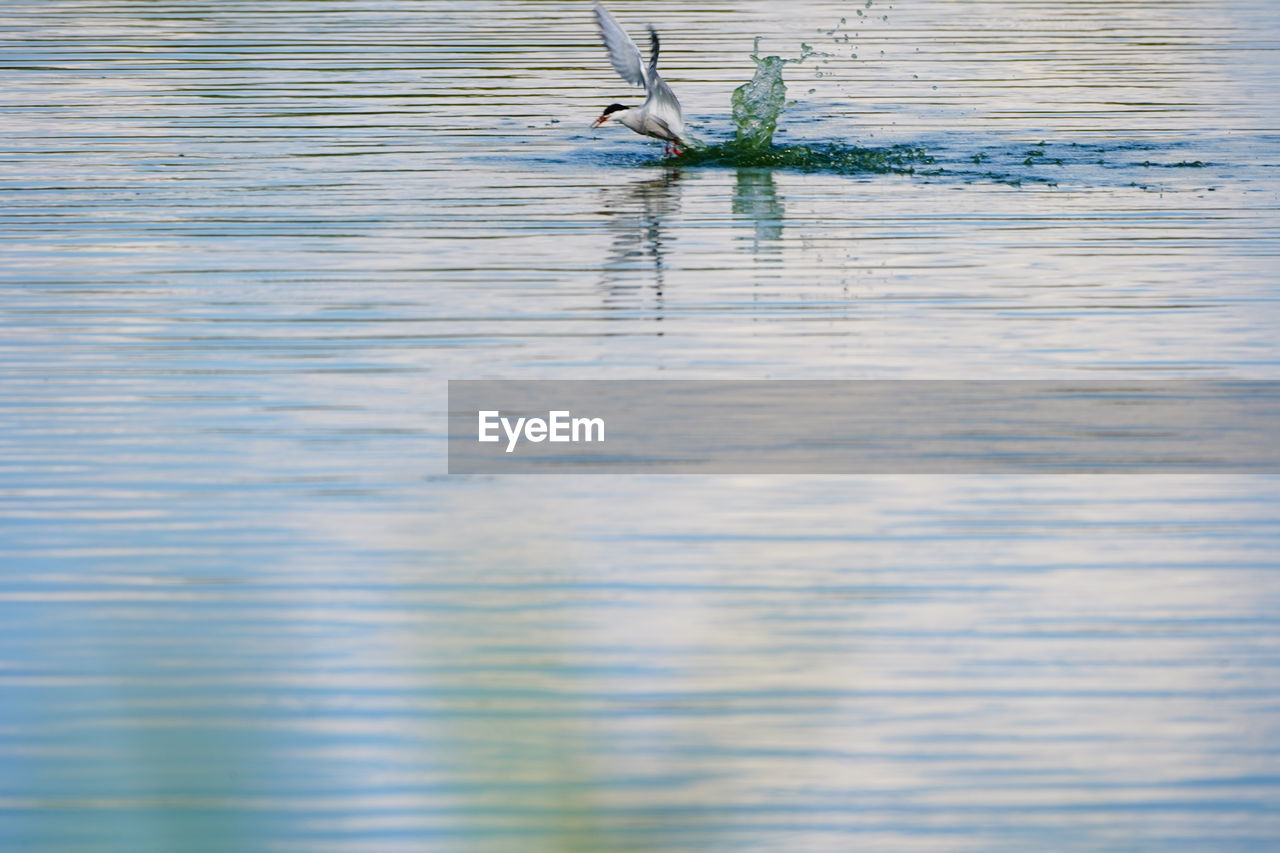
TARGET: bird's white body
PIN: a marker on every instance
(660, 116)
(648, 122)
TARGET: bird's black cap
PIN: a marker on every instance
(613, 108)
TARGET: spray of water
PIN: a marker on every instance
(758, 105)
(757, 108)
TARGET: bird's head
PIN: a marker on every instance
(608, 113)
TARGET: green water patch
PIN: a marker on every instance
(1046, 164)
(835, 157)
(1184, 164)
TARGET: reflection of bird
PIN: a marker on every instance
(659, 116)
(639, 213)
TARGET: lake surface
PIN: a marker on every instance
(242, 607)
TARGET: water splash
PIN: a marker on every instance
(758, 105)
(757, 108)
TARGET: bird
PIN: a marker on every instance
(660, 115)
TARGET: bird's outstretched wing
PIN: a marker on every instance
(664, 108)
(623, 52)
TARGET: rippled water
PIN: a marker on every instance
(245, 245)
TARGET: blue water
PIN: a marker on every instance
(242, 606)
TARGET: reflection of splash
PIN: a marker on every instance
(756, 198)
(639, 213)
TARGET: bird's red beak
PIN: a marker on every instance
(600, 121)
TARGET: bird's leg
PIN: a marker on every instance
(675, 147)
